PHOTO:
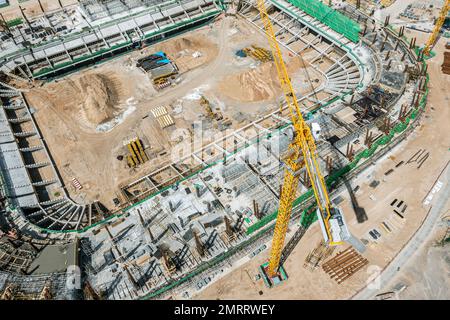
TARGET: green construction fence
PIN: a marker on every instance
(332, 18)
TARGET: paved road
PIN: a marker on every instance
(415, 243)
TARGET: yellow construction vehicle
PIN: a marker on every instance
(209, 111)
(301, 153)
(207, 105)
(437, 28)
(258, 53)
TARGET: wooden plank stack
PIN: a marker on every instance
(344, 264)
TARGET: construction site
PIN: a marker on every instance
(222, 149)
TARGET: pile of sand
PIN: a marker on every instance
(175, 46)
(258, 84)
(254, 85)
(184, 51)
(90, 99)
(100, 98)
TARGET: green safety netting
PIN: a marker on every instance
(14, 22)
(418, 51)
(332, 18)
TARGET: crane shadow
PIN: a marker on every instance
(360, 212)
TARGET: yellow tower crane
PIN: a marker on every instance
(301, 153)
(437, 28)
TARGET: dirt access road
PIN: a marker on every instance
(411, 249)
(419, 264)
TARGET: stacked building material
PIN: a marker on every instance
(164, 119)
(344, 264)
(137, 154)
(317, 255)
(257, 53)
(446, 64)
(153, 57)
(153, 61)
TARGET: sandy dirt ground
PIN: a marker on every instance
(252, 85)
(32, 7)
(406, 183)
(189, 51)
(426, 275)
(87, 117)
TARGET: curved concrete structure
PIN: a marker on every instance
(373, 91)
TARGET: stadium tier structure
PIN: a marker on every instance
(175, 225)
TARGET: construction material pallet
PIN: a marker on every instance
(137, 154)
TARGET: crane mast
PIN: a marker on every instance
(437, 27)
(301, 153)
